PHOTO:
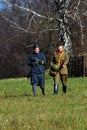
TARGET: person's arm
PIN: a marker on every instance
(43, 60)
(66, 59)
(31, 61)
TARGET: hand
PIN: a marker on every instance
(35, 63)
(64, 65)
(36, 59)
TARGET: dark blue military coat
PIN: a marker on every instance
(37, 71)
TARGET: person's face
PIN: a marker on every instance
(36, 50)
(60, 48)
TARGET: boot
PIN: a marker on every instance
(43, 92)
(55, 89)
(34, 89)
(64, 89)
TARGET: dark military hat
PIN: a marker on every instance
(35, 45)
(59, 43)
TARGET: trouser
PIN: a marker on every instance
(63, 78)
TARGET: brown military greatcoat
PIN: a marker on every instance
(61, 58)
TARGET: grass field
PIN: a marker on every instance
(20, 110)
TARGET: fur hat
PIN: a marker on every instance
(35, 46)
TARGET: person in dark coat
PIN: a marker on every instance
(37, 61)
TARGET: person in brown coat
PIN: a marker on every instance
(59, 63)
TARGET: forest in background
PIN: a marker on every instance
(44, 21)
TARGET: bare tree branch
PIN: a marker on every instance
(27, 9)
(15, 24)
